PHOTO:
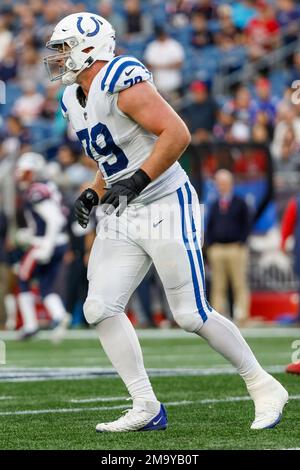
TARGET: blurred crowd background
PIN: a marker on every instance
(230, 70)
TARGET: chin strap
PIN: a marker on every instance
(69, 77)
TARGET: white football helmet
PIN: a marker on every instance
(30, 161)
(80, 39)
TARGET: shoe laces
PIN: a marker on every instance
(126, 416)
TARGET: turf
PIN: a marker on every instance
(192, 425)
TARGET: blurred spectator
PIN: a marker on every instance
(3, 264)
(107, 11)
(28, 107)
(262, 31)
(222, 128)
(26, 34)
(50, 104)
(15, 137)
(288, 126)
(205, 7)
(243, 12)
(289, 156)
(240, 109)
(8, 64)
(226, 25)
(288, 17)
(200, 34)
(228, 227)
(290, 226)
(264, 104)
(241, 105)
(8, 16)
(259, 134)
(164, 57)
(239, 132)
(52, 12)
(240, 115)
(36, 6)
(179, 12)
(136, 24)
(295, 69)
(5, 38)
(228, 47)
(31, 64)
(200, 115)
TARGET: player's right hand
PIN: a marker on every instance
(84, 205)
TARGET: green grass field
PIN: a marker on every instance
(52, 396)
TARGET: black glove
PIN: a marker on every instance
(124, 191)
(83, 206)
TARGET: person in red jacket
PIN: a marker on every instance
(262, 31)
(291, 226)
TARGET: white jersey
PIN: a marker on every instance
(117, 143)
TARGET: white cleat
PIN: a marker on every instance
(269, 404)
(144, 416)
(59, 332)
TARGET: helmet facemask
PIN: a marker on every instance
(62, 62)
(75, 55)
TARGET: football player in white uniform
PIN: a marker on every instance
(45, 242)
(136, 138)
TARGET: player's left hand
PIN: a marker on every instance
(124, 191)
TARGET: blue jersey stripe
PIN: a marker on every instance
(198, 252)
(63, 106)
(190, 256)
(119, 71)
(113, 62)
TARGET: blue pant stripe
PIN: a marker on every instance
(190, 256)
(195, 240)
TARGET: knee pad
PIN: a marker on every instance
(93, 310)
(97, 309)
(190, 322)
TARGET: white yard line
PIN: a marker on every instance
(257, 332)
(98, 399)
(15, 374)
(120, 407)
(62, 410)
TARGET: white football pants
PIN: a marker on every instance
(167, 233)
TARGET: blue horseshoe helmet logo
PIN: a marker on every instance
(96, 30)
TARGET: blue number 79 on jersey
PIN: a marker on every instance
(99, 143)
